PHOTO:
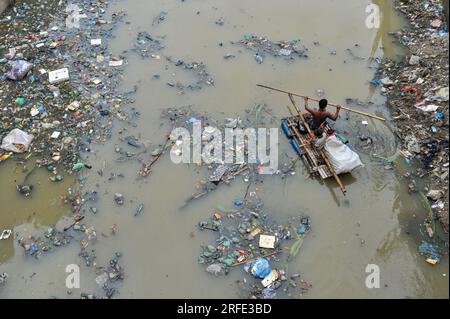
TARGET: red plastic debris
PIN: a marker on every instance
(411, 88)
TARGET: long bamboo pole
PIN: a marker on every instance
(335, 105)
(322, 153)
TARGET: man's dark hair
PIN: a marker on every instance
(323, 103)
(318, 132)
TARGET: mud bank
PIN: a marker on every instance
(417, 91)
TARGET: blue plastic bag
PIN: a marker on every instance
(260, 268)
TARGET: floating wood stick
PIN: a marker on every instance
(252, 259)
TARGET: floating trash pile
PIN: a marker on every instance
(246, 238)
(197, 69)
(58, 91)
(146, 45)
(59, 94)
(263, 46)
(107, 278)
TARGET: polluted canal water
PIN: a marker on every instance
(376, 223)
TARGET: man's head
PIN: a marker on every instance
(323, 104)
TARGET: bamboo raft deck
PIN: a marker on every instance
(311, 157)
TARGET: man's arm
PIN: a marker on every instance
(307, 107)
(335, 116)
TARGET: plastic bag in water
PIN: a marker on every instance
(19, 69)
(260, 268)
(17, 141)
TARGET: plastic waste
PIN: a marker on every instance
(5, 156)
(5, 234)
(427, 108)
(260, 268)
(59, 75)
(24, 189)
(102, 279)
(78, 166)
(270, 278)
(19, 69)
(285, 52)
(215, 269)
(17, 141)
(269, 293)
(20, 101)
(429, 248)
(139, 209)
(376, 82)
(267, 241)
(119, 199)
(440, 115)
(259, 58)
(34, 248)
(218, 173)
(301, 230)
(238, 202)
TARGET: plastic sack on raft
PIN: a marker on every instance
(17, 141)
(19, 69)
(260, 268)
(342, 158)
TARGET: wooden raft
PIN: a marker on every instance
(315, 160)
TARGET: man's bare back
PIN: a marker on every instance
(321, 114)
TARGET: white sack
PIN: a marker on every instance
(342, 158)
(17, 141)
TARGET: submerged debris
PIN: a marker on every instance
(159, 18)
(431, 251)
(286, 49)
(198, 70)
(107, 278)
(139, 209)
(119, 198)
(25, 190)
(147, 44)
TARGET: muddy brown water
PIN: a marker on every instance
(160, 248)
